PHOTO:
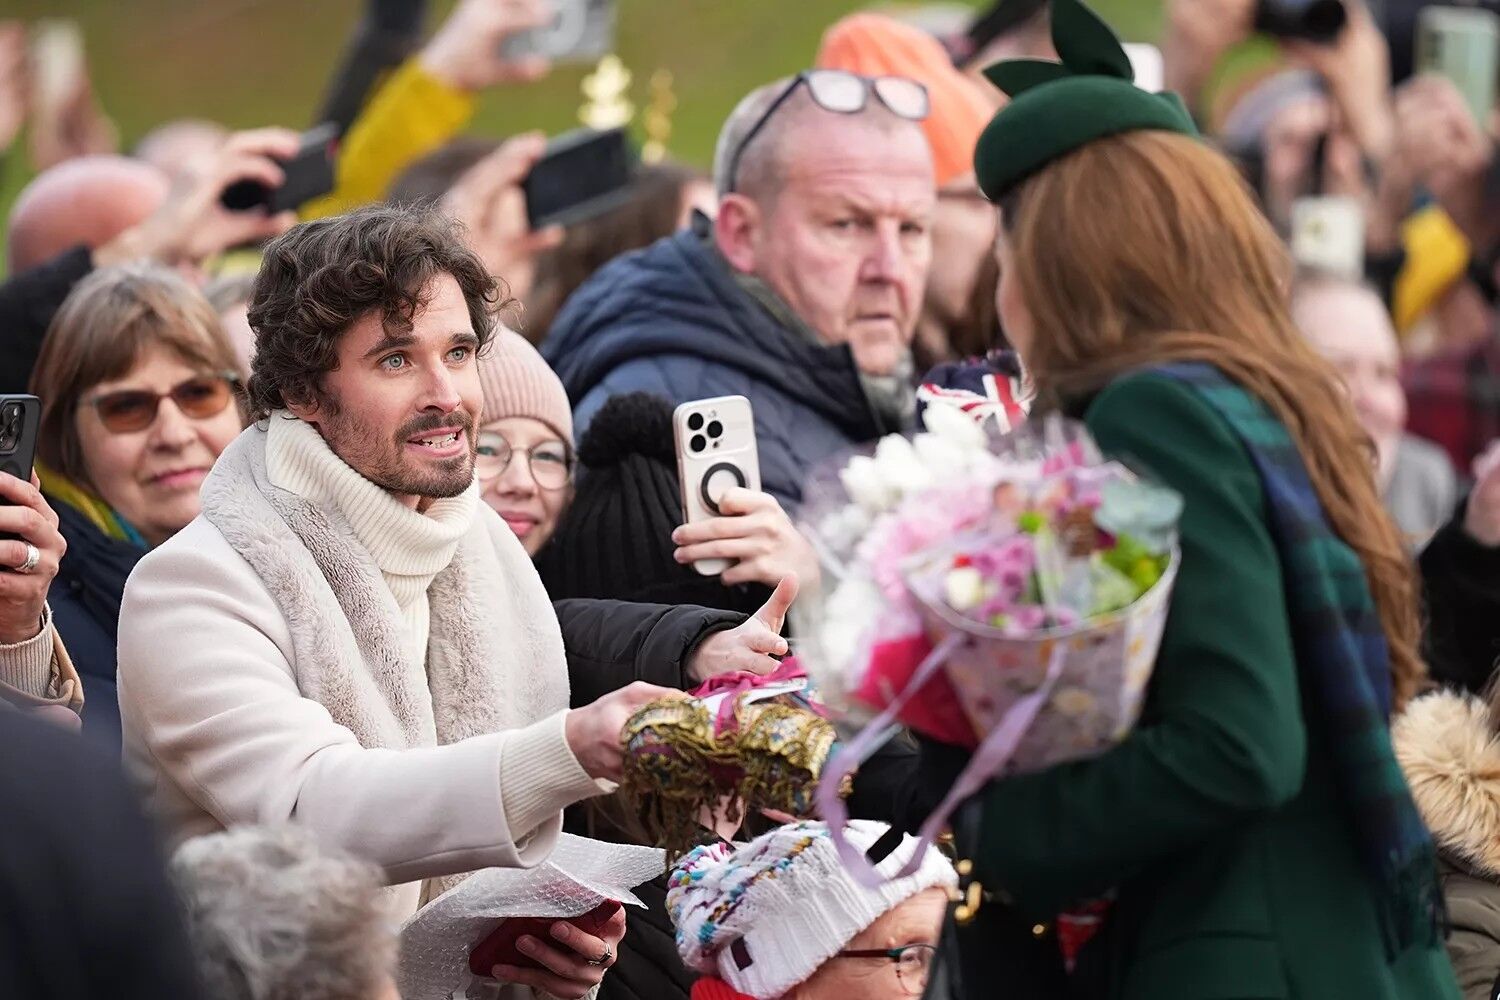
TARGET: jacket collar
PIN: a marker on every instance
(1450, 754)
(891, 399)
(678, 299)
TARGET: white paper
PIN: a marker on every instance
(580, 874)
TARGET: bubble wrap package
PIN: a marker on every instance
(580, 874)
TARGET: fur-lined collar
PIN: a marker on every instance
(1451, 755)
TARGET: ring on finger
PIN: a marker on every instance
(604, 959)
(33, 556)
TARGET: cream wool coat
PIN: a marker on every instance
(262, 679)
(1450, 753)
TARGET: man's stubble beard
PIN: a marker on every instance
(382, 462)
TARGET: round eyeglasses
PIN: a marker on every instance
(550, 462)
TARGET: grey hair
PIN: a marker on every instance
(761, 164)
(744, 116)
(274, 917)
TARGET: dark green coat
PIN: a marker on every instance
(1217, 819)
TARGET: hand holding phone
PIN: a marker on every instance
(716, 451)
(1462, 45)
(31, 546)
(582, 175)
(491, 204)
(579, 31)
(307, 174)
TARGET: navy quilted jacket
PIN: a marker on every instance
(672, 320)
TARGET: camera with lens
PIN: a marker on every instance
(1312, 20)
(12, 422)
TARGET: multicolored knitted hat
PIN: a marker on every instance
(1056, 107)
(764, 916)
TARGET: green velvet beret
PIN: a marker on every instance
(1056, 107)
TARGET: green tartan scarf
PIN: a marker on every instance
(1342, 654)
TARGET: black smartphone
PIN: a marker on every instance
(583, 174)
(309, 175)
(19, 419)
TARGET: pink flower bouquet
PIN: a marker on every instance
(1003, 594)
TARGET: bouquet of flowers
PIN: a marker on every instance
(1003, 594)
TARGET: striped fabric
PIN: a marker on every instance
(1342, 656)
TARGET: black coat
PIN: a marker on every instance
(672, 320)
(1461, 588)
(28, 301)
(85, 601)
(85, 907)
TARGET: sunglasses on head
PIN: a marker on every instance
(199, 398)
(843, 93)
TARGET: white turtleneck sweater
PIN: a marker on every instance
(409, 547)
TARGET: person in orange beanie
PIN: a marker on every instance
(958, 315)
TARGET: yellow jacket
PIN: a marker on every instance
(1437, 255)
(411, 114)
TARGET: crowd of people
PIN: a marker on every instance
(356, 535)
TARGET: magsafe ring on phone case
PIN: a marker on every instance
(710, 500)
(715, 443)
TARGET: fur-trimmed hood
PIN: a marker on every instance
(1451, 756)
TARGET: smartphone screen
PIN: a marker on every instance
(583, 174)
(1463, 45)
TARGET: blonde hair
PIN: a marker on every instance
(1189, 270)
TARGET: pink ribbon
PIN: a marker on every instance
(988, 759)
(732, 685)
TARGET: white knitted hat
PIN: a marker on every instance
(765, 915)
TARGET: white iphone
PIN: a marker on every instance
(715, 440)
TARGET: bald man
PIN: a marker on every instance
(96, 211)
(86, 201)
(802, 295)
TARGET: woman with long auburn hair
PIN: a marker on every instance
(1253, 835)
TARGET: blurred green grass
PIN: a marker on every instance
(259, 62)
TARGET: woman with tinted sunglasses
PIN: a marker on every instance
(139, 396)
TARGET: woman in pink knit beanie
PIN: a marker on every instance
(525, 461)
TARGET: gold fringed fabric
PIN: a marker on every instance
(682, 762)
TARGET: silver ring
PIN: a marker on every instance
(33, 556)
(603, 959)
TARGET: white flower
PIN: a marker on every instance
(953, 424)
(943, 456)
(865, 485)
(964, 588)
(854, 604)
(900, 468)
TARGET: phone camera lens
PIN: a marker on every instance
(715, 428)
(695, 422)
(10, 427)
(697, 443)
